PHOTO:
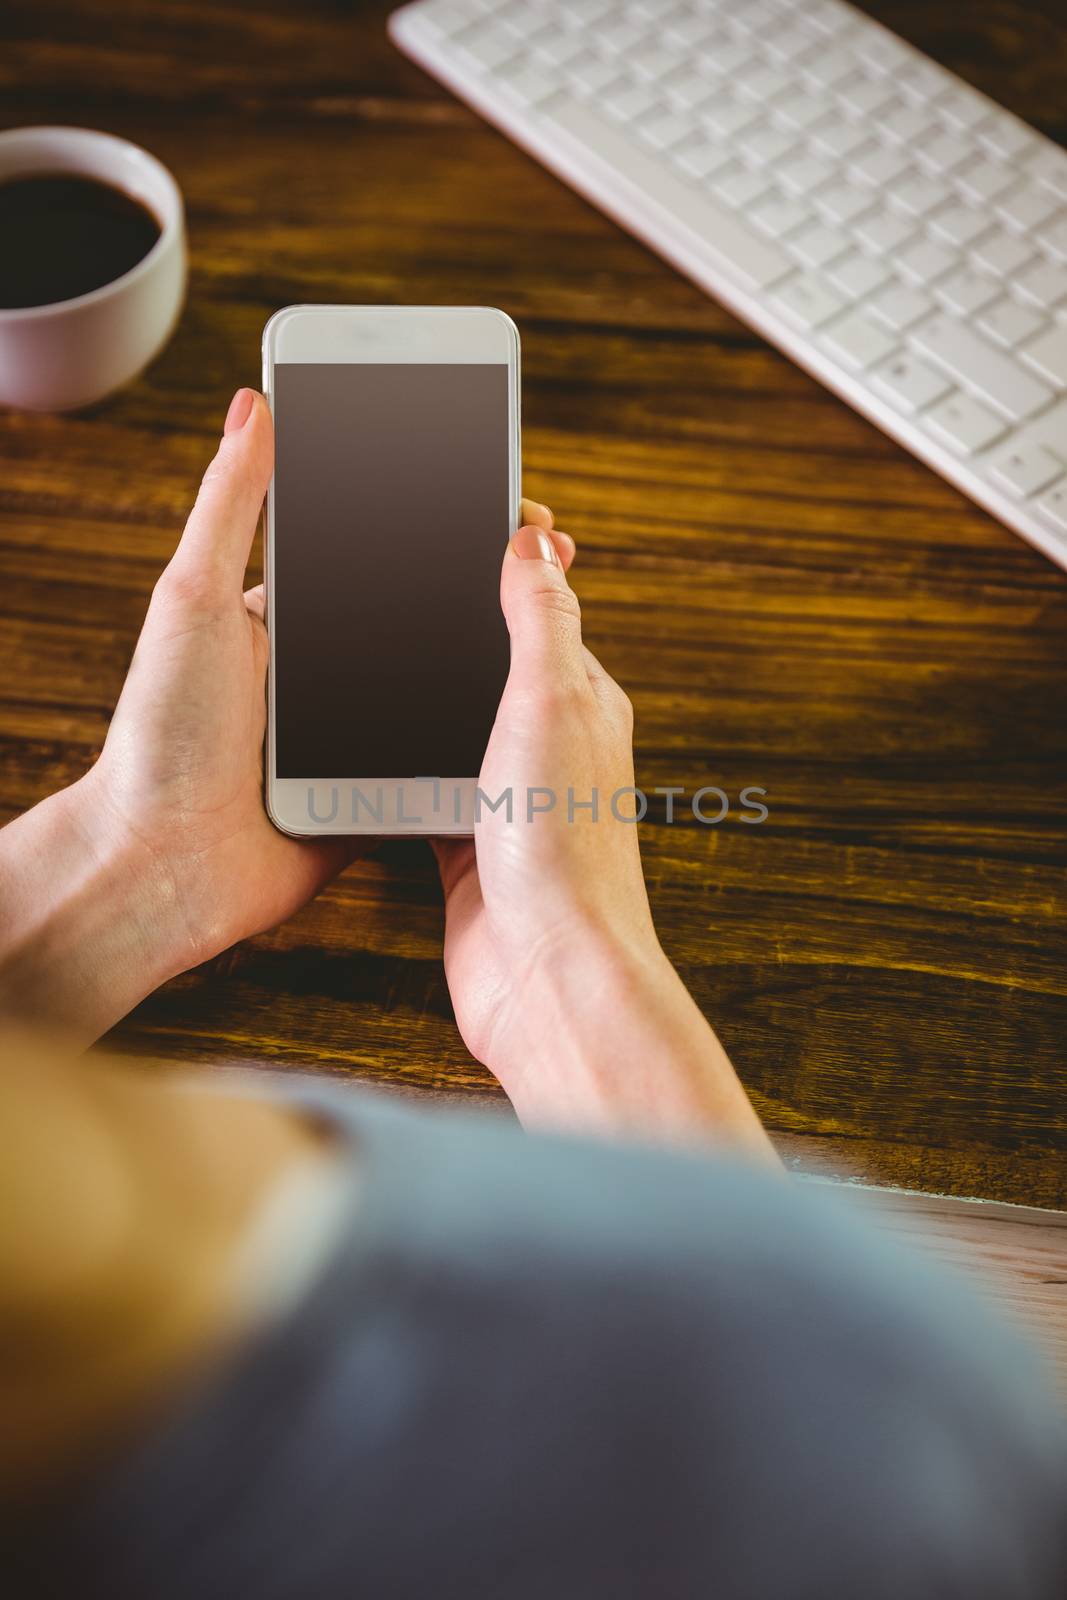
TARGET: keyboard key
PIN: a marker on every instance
(762, 83)
(829, 67)
(743, 255)
(839, 139)
(699, 159)
(756, 15)
(966, 292)
(591, 74)
(765, 144)
(803, 174)
(788, 43)
(964, 107)
(865, 97)
(617, 35)
(740, 186)
(723, 55)
(881, 167)
(959, 225)
(972, 361)
(485, 48)
(633, 100)
(904, 124)
(1009, 323)
(857, 341)
(1043, 284)
(448, 19)
(1048, 164)
(1025, 469)
(1025, 206)
(882, 230)
(900, 307)
(944, 152)
(685, 30)
(578, 14)
(984, 180)
(924, 80)
(1005, 135)
(800, 110)
(925, 262)
(780, 217)
(1001, 253)
(817, 244)
(1053, 506)
(1048, 355)
(1050, 428)
(651, 65)
(841, 202)
(528, 85)
(857, 276)
(916, 194)
(554, 47)
(1053, 236)
(909, 383)
(663, 132)
(724, 117)
(828, 17)
(692, 89)
(519, 20)
(881, 52)
(807, 301)
(964, 424)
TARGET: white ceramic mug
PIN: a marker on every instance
(64, 355)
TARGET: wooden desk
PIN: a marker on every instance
(791, 600)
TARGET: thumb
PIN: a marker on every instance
(542, 611)
(222, 524)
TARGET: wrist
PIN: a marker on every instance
(615, 1043)
(90, 916)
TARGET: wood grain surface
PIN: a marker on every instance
(791, 600)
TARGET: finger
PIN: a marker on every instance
(530, 511)
(256, 601)
(455, 857)
(542, 611)
(566, 548)
(222, 524)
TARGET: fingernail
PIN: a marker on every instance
(546, 509)
(240, 410)
(530, 544)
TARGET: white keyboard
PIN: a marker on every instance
(892, 230)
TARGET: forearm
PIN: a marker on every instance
(88, 926)
(616, 1043)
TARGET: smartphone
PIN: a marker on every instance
(395, 490)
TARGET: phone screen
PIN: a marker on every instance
(391, 513)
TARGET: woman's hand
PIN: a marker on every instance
(182, 768)
(163, 854)
(558, 980)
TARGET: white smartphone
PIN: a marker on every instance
(395, 490)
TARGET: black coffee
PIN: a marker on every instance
(62, 235)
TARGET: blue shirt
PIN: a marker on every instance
(539, 1368)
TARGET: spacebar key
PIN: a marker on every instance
(748, 259)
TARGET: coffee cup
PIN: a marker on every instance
(77, 348)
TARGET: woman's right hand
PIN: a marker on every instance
(559, 982)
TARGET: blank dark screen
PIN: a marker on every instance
(390, 520)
